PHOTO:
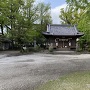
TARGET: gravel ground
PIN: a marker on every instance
(26, 72)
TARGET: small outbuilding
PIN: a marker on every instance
(62, 36)
(4, 43)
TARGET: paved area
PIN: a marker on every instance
(26, 72)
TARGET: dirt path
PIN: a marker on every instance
(26, 72)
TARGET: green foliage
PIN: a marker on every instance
(79, 50)
(78, 3)
(37, 49)
(26, 20)
(50, 48)
(43, 11)
(71, 15)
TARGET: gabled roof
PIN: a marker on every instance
(62, 30)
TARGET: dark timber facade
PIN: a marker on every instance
(62, 36)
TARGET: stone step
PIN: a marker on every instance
(64, 52)
(63, 49)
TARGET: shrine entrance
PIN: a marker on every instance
(62, 43)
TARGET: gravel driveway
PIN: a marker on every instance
(26, 72)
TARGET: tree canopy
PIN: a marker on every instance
(24, 19)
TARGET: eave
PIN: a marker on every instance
(78, 35)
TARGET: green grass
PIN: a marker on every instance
(75, 81)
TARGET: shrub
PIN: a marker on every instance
(88, 48)
(79, 50)
(37, 48)
(50, 48)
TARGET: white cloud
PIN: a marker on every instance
(38, 1)
(55, 12)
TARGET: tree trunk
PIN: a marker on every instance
(2, 29)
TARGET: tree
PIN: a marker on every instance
(20, 18)
(44, 16)
(3, 18)
(30, 17)
(14, 8)
(78, 3)
(71, 15)
(24, 19)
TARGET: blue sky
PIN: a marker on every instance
(55, 3)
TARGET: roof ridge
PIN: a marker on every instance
(61, 25)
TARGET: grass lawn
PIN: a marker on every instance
(75, 81)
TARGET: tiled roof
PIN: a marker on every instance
(62, 30)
